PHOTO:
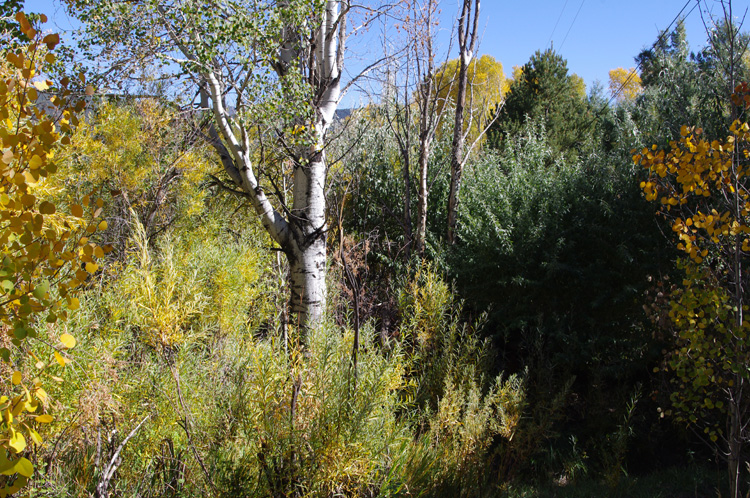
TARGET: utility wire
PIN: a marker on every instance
(556, 23)
(571, 24)
(638, 67)
(658, 40)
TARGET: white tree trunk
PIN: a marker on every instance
(306, 250)
(307, 50)
(302, 234)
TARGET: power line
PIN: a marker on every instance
(658, 40)
(638, 66)
(557, 22)
(571, 24)
(640, 63)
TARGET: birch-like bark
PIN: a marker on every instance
(309, 50)
(306, 249)
(302, 234)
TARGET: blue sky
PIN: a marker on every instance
(606, 33)
(593, 35)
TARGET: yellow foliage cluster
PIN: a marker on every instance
(624, 84)
(45, 254)
(427, 298)
(326, 416)
(694, 170)
(163, 299)
(709, 350)
(131, 149)
(486, 88)
(702, 186)
(468, 420)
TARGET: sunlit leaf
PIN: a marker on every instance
(68, 341)
(17, 442)
(24, 467)
(59, 358)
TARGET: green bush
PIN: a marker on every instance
(561, 253)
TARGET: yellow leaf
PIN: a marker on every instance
(35, 436)
(51, 40)
(16, 378)
(46, 208)
(35, 162)
(44, 419)
(60, 359)
(8, 156)
(68, 340)
(103, 225)
(76, 210)
(17, 442)
(32, 405)
(25, 25)
(24, 467)
(74, 304)
(41, 85)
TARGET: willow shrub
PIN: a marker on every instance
(419, 417)
(468, 414)
(156, 332)
(182, 332)
(307, 425)
(561, 252)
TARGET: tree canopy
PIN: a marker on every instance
(545, 91)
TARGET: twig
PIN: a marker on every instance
(102, 488)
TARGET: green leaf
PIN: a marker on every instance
(7, 286)
(41, 289)
(6, 465)
(20, 332)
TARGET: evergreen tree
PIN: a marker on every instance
(545, 92)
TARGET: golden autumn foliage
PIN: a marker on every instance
(487, 86)
(624, 84)
(145, 159)
(704, 190)
(517, 73)
(691, 173)
(46, 253)
(135, 149)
